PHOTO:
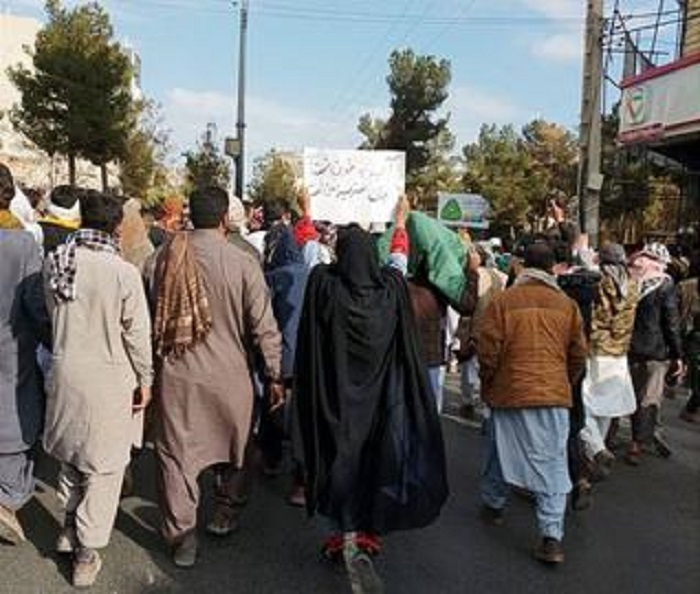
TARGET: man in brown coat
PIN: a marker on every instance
(531, 350)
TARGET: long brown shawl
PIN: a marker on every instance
(183, 317)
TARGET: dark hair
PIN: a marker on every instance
(562, 252)
(65, 196)
(100, 211)
(539, 255)
(208, 207)
(34, 195)
(7, 187)
(274, 211)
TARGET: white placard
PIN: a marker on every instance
(353, 186)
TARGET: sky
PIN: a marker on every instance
(315, 66)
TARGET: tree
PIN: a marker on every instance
(76, 101)
(274, 178)
(142, 166)
(206, 166)
(553, 151)
(418, 88)
(499, 167)
(640, 193)
(440, 174)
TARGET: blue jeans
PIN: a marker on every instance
(551, 507)
(437, 381)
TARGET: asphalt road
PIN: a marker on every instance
(642, 536)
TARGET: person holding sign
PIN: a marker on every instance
(367, 425)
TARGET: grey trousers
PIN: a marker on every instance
(16, 479)
(90, 501)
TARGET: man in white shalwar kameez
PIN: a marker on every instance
(102, 375)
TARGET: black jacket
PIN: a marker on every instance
(580, 285)
(657, 326)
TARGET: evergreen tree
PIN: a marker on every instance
(76, 100)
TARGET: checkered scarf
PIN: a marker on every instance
(62, 262)
(183, 316)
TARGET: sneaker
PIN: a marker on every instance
(185, 553)
(67, 541)
(492, 515)
(10, 528)
(86, 566)
(361, 572)
(550, 551)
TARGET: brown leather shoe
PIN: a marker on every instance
(550, 551)
(10, 528)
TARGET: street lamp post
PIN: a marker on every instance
(240, 122)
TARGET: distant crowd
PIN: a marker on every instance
(236, 340)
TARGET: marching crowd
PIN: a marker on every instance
(231, 340)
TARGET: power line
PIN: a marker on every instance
(355, 80)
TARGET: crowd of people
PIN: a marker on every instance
(232, 339)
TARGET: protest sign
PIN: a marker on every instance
(354, 186)
(463, 210)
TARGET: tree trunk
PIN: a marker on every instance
(105, 181)
(71, 169)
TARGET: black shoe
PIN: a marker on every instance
(492, 515)
(550, 551)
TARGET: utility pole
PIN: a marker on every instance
(590, 180)
(235, 147)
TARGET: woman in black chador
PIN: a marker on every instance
(366, 418)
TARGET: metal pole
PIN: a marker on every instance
(240, 123)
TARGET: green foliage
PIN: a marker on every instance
(439, 175)
(554, 157)
(274, 178)
(142, 167)
(497, 166)
(520, 172)
(76, 101)
(206, 166)
(640, 194)
(418, 86)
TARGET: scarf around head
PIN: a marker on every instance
(9, 222)
(183, 317)
(63, 265)
(613, 265)
(281, 249)
(529, 275)
(356, 259)
(651, 274)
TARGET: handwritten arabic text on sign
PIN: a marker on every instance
(347, 186)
